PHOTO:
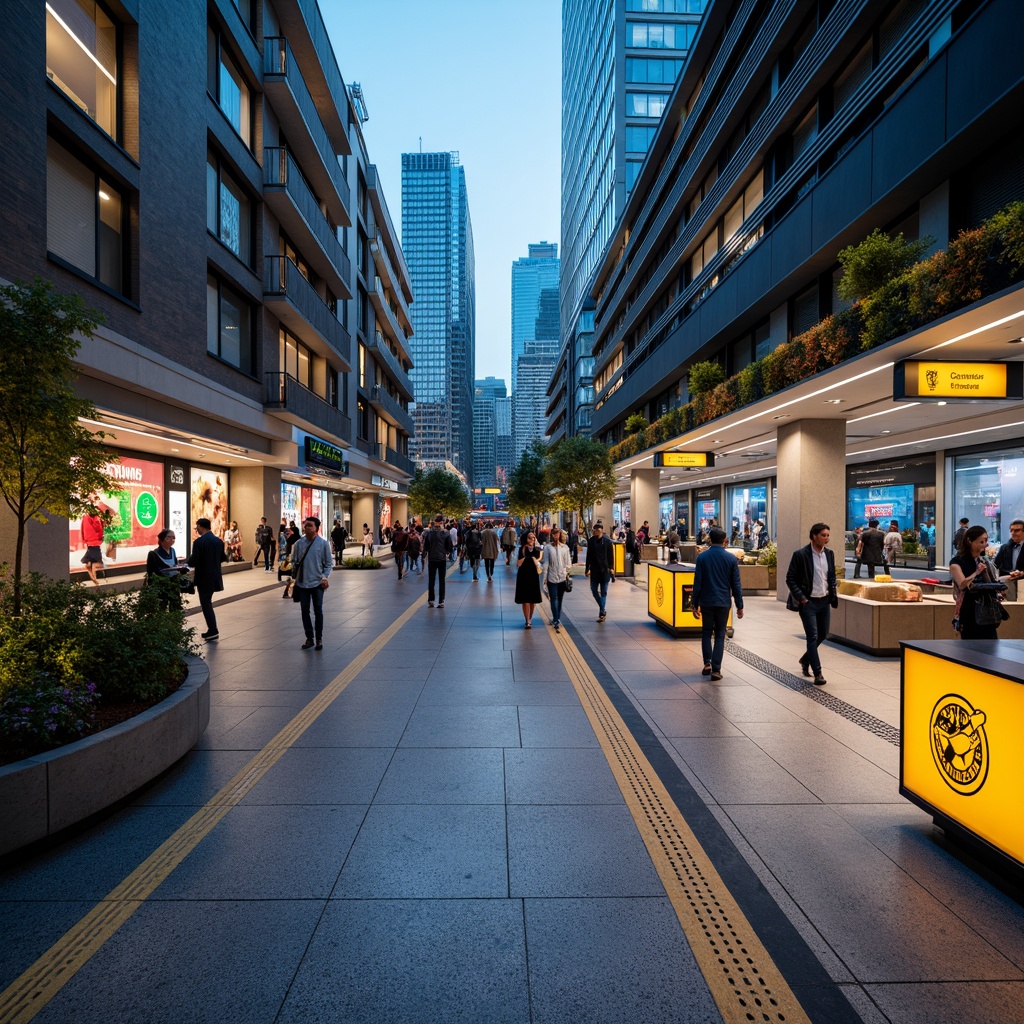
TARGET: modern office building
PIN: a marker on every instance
(793, 132)
(620, 59)
(532, 277)
(529, 399)
(192, 178)
(504, 447)
(486, 393)
(437, 237)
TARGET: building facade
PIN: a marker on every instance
(534, 318)
(504, 448)
(529, 400)
(216, 238)
(620, 59)
(437, 237)
(791, 134)
(485, 436)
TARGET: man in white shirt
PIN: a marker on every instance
(811, 579)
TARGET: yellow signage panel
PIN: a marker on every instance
(668, 598)
(492, 490)
(961, 750)
(684, 460)
(950, 381)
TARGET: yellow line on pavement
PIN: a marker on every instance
(27, 995)
(744, 981)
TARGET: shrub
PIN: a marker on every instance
(361, 563)
(769, 555)
(1007, 229)
(47, 714)
(635, 422)
(704, 377)
(877, 260)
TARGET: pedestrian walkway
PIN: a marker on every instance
(443, 816)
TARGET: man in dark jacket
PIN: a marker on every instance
(716, 582)
(811, 579)
(600, 567)
(437, 546)
(339, 535)
(264, 541)
(207, 554)
(399, 542)
(472, 546)
(871, 550)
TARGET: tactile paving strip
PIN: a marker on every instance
(887, 732)
(744, 981)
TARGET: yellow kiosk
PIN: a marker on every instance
(961, 755)
(669, 588)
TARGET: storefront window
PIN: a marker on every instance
(748, 516)
(666, 508)
(683, 517)
(291, 503)
(903, 491)
(707, 512)
(210, 498)
(989, 489)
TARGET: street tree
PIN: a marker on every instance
(528, 494)
(50, 464)
(579, 473)
(438, 490)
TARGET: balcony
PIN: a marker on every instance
(294, 301)
(379, 300)
(294, 205)
(289, 400)
(387, 272)
(390, 409)
(284, 84)
(379, 347)
(556, 407)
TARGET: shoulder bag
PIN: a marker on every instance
(295, 574)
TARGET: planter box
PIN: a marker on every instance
(46, 793)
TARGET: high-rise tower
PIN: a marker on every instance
(534, 285)
(437, 238)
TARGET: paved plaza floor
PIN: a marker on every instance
(436, 819)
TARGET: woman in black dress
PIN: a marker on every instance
(967, 569)
(528, 577)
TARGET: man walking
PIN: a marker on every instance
(509, 537)
(489, 549)
(208, 552)
(412, 549)
(312, 561)
(437, 546)
(338, 537)
(264, 538)
(872, 542)
(811, 579)
(600, 567)
(472, 546)
(716, 583)
(399, 542)
(959, 535)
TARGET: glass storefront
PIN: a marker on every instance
(707, 509)
(683, 516)
(748, 516)
(298, 502)
(988, 488)
(901, 491)
(666, 510)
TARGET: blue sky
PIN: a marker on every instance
(483, 78)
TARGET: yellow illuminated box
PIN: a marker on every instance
(961, 756)
(684, 460)
(669, 588)
(947, 380)
(619, 553)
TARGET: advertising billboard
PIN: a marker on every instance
(210, 498)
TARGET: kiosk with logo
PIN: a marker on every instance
(669, 589)
(961, 758)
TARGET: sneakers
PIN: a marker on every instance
(602, 617)
(308, 643)
(440, 604)
(430, 604)
(558, 627)
(475, 580)
(210, 634)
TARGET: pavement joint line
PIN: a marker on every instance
(28, 994)
(741, 975)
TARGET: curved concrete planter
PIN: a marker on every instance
(46, 793)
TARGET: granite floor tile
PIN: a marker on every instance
(306, 776)
(573, 776)
(556, 726)
(356, 726)
(444, 775)
(677, 718)
(30, 928)
(438, 725)
(998, 1002)
(194, 779)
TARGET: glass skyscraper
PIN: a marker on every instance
(437, 239)
(487, 392)
(534, 299)
(620, 60)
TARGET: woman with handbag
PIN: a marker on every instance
(975, 582)
(528, 577)
(285, 569)
(555, 565)
(162, 562)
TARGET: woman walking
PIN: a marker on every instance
(970, 569)
(286, 566)
(556, 568)
(528, 577)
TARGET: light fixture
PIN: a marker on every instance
(833, 401)
(64, 25)
(174, 451)
(784, 416)
(104, 196)
(940, 403)
(1016, 341)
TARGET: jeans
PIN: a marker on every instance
(265, 552)
(206, 603)
(816, 616)
(400, 562)
(314, 596)
(435, 570)
(713, 619)
(413, 562)
(555, 592)
(474, 564)
(489, 567)
(599, 588)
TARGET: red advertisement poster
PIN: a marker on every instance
(137, 511)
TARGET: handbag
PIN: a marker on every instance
(567, 586)
(295, 575)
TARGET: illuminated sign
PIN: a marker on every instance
(965, 382)
(492, 490)
(384, 483)
(684, 460)
(329, 456)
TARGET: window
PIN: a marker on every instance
(804, 312)
(81, 58)
(84, 218)
(645, 104)
(228, 210)
(659, 36)
(632, 172)
(851, 79)
(225, 84)
(656, 70)
(229, 323)
(805, 133)
(299, 361)
(639, 138)
(666, 6)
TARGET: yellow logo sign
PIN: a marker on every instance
(956, 380)
(683, 460)
(959, 744)
(659, 593)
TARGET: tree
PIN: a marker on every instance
(704, 377)
(528, 494)
(49, 462)
(435, 491)
(876, 261)
(636, 422)
(579, 472)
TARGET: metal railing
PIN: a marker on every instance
(285, 392)
(283, 279)
(380, 397)
(379, 347)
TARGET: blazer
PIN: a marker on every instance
(1004, 558)
(207, 554)
(716, 581)
(800, 577)
(600, 559)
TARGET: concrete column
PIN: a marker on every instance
(644, 492)
(255, 492)
(812, 487)
(400, 511)
(603, 512)
(364, 510)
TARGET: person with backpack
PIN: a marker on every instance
(472, 547)
(399, 542)
(509, 538)
(413, 547)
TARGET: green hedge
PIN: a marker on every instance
(361, 563)
(976, 263)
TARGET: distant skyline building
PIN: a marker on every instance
(437, 238)
(529, 398)
(486, 393)
(504, 449)
(620, 60)
(532, 277)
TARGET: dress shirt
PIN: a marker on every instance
(820, 586)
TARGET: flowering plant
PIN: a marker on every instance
(48, 713)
